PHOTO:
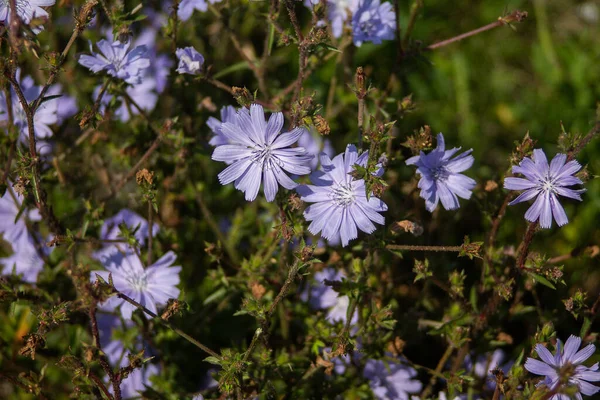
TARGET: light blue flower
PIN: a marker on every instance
(152, 287)
(341, 204)
(26, 10)
(373, 21)
(315, 145)
(187, 7)
(545, 182)
(551, 367)
(441, 177)
(321, 296)
(26, 260)
(44, 116)
(117, 60)
(259, 153)
(190, 61)
(391, 380)
(228, 114)
(111, 230)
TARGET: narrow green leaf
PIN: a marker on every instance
(271, 39)
(234, 68)
(585, 327)
(542, 280)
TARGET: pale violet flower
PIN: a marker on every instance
(187, 7)
(45, 115)
(144, 94)
(391, 380)
(137, 381)
(13, 228)
(117, 60)
(321, 296)
(338, 12)
(441, 177)
(483, 364)
(152, 287)
(373, 21)
(190, 61)
(111, 230)
(26, 11)
(315, 145)
(553, 368)
(26, 260)
(341, 204)
(259, 153)
(544, 183)
(228, 114)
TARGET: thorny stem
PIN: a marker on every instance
(515, 16)
(175, 24)
(102, 386)
(80, 24)
(150, 222)
(135, 168)
(166, 323)
(302, 50)
(423, 248)
(102, 358)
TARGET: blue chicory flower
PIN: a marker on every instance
(26, 260)
(483, 364)
(111, 231)
(27, 10)
(373, 21)
(441, 177)
(551, 367)
(259, 152)
(117, 60)
(45, 115)
(321, 296)
(190, 61)
(151, 287)
(341, 203)
(14, 229)
(187, 7)
(391, 380)
(228, 114)
(315, 145)
(545, 182)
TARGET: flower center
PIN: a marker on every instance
(138, 282)
(343, 195)
(262, 155)
(440, 173)
(547, 184)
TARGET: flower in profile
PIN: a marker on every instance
(391, 380)
(228, 114)
(190, 61)
(111, 230)
(566, 363)
(322, 296)
(338, 12)
(545, 182)
(151, 287)
(315, 145)
(187, 7)
(259, 152)
(45, 115)
(373, 21)
(117, 60)
(26, 11)
(341, 204)
(482, 365)
(441, 177)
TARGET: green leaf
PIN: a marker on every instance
(218, 294)
(234, 68)
(585, 326)
(271, 39)
(542, 280)
(213, 360)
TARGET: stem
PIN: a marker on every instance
(406, 247)
(135, 168)
(150, 222)
(103, 361)
(231, 251)
(524, 246)
(302, 50)
(438, 370)
(515, 16)
(166, 323)
(414, 10)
